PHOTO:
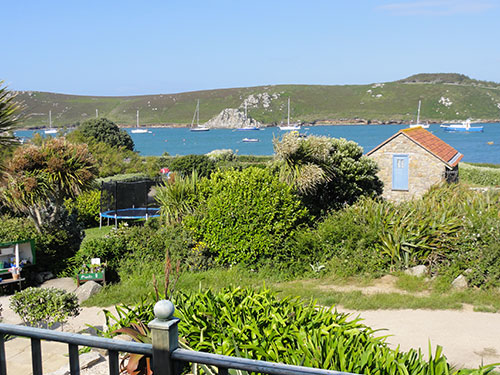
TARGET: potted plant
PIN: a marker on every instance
(15, 271)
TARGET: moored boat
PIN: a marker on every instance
(289, 126)
(250, 140)
(198, 127)
(425, 126)
(138, 130)
(463, 127)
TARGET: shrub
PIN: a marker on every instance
(104, 130)
(258, 325)
(128, 249)
(44, 306)
(327, 172)
(185, 165)
(87, 206)
(246, 216)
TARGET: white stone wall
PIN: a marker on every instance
(424, 169)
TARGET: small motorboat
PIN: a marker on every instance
(250, 140)
(463, 127)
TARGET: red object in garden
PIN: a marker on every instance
(164, 170)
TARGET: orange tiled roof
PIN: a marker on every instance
(430, 142)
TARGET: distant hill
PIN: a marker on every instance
(445, 97)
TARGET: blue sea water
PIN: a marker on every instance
(180, 141)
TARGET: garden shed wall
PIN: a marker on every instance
(424, 169)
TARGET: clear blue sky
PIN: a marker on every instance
(108, 47)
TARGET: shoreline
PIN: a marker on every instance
(352, 122)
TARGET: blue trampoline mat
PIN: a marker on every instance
(131, 213)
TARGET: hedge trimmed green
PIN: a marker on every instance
(246, 216)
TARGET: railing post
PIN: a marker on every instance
(165, 338)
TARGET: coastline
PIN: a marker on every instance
(333, 122)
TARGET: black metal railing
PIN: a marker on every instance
(167, 357)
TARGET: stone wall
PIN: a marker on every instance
(424, 168)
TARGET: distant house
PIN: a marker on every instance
(413, 160)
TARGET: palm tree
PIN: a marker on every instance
(8, 117)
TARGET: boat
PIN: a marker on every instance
(198, 128)
(138, 130)
(250, 140)
(50, 130)
(463, 127)
(289, 126)
(248, 127)
(425, 126)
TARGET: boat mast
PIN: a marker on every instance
(418, 112)
(137, 125)
(50, 119)
(196, 114)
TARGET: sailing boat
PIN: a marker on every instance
(288, 126)
(50, 130)
(196, 115)
(138, 130)
(425, 126)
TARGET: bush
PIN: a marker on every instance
(104, 130)
(258, 325)
(246, 216)
(87, 206)
(127, 249)
(328, 173)
(44, 306)
(185, 165)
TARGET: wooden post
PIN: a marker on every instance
(164, 336)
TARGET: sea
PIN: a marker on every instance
(476, 147)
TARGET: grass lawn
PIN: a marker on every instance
(405, 293)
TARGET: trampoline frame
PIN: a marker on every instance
(114, 214)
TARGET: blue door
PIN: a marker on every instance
(400, 172)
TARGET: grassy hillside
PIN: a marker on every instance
(445, 97)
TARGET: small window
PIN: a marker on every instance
(400, 172)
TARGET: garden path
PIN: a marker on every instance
(468, 337)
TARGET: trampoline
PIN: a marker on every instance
(128, 200)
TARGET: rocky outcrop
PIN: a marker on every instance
(231, 118)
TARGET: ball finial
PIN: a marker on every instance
(164, 309)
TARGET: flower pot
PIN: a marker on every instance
(15, 276)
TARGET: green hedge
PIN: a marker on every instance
(246, 216)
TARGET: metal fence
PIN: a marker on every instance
(166, 356)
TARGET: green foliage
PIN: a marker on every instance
(258, 325)
(480, 175)
(185, 165)
(44, 306)
(128, 250)
(9, 120)
(41, 177)
(246, 216)
(327, 172)
(178, 197)
(106, 131)
(87, 206)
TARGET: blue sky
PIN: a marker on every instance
(125, 47)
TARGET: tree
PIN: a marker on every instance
(8, 117)
(327, 172)
(104, 130)
(38, 178)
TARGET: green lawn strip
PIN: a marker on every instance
(131, 289)
(92, 233)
